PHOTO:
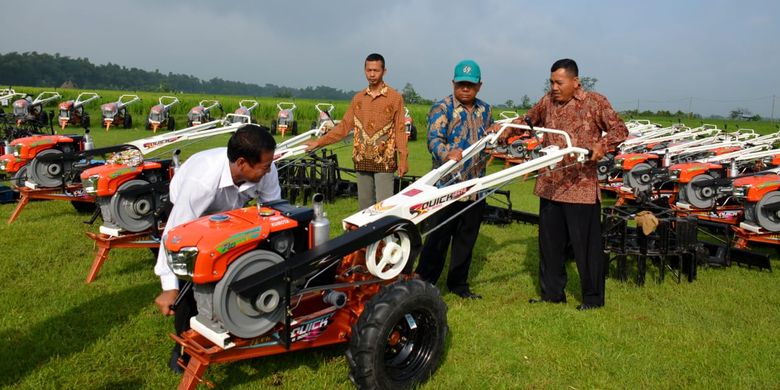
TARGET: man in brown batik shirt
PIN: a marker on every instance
(376, 115)
(569, 204)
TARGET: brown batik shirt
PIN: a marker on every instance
(378, 123)
(584, 118)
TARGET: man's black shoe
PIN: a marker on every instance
(467, 294)
(588, 306)
(540, 300)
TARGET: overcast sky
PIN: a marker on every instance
(654, 54)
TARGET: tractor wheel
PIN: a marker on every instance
(398, 341)
(171, 123)
(295, 128)
(85, 121)
(128, 121)
(313, 125)
(273, 126)
(133, 213)
(768, 219)
(148, 125)
(84, 207)
(413, 134)
(20, 176)
(46, 173)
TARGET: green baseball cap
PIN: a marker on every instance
(467, 70)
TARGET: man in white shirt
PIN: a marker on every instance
(210, 182)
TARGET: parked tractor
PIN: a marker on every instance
(202, 112)
(116, 113)
(37, 159)
(267, 280)
(31, 112)
(160, 114)
(133, 193)
(760, 195)
(324, 111)
(72, 111)
(285, 119)
(245, 111)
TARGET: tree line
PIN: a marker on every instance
(47, 70)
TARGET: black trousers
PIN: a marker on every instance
(186, 309)
(462, 232)
(579, 225)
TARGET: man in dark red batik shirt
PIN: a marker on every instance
(569, 203)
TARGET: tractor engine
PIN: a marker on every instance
(249, 240)
(22, 108)
(157, 113)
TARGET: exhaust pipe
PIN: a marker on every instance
(88, 143)
(175, 162)
(319, 228)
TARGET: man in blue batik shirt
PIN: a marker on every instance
(454, 123)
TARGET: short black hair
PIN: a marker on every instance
(568, 64)
(375, 57)
(250, 141)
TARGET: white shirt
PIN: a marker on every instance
(202, 186)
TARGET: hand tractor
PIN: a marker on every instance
(133, 193)
(244, 111)
(324, 111)
(703, 182)
(72, 111)
(116, 113)
(30, 112)
(411, 130)
(267, 280)
(54, 164)
(24, 150)
(285, 119)
(160, 114)
(202, 112)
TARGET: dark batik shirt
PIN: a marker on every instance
(452, 126)
(584, 118)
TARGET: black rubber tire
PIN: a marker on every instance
(418, 343)
(295, 128)
(128, 121)
(148, 125)
(313, 125)
(85, 121)
(171, 123)
(413, 134)
(273, 126)
(84, 207)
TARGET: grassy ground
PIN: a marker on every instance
(57, 332)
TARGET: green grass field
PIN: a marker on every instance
(57, 332)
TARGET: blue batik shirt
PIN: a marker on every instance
(451, 126)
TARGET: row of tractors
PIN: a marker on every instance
(731, 179)
(29, 113)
